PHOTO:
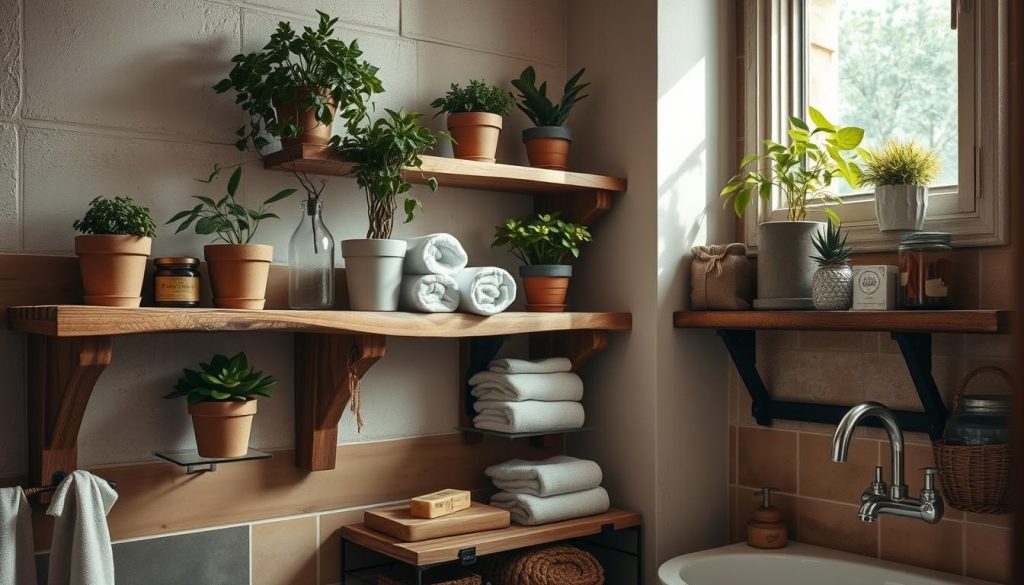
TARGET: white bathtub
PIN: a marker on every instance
(797, 564)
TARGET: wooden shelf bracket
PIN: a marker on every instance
(328, 370)
(584, 207)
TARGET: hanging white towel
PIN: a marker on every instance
(80, 553)
(485, 290)
(428, 293)
(434, 254)
(551, 477)
(17, 552)
(518, 387)
(544, 366)
(530, 416)
(531, 510)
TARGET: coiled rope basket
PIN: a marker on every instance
(553, 565)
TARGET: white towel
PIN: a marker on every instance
(519, 387)
(434, 254)
(80, 553)
(551, 477)
(428, 293)
(486, 290)
(17, 555)
(531, 510)
(530, 416)
(544, 366)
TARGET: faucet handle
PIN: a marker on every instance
(929, 478)
(878, 487)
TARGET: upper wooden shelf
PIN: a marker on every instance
(442, 550)
(83, 321)
(953, 321)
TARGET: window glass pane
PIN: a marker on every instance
(888, 66)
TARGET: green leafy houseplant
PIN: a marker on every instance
(477, 96)
(224, 379)
(534, 102)
(117, 216)
(900, 163)
(802, 171)
(831, 247)
(541, 239)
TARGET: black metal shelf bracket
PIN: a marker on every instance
(917, 352)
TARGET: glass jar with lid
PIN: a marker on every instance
(980, 419)
(926, 270)
(176, 282)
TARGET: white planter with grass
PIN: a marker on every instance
(901, 208)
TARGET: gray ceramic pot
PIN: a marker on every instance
(373, 270)
(560, 132)
(562, 270)
(784, 264)
(832, 288)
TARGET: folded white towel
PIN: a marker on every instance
(519, 387)
(80, 553)
(530, 416)
(434, 254)
(17, 555)
(485, 290)
(551, 477)
(532, 510)
(544, 366)
(429, 293)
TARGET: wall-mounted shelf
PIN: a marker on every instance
(912, 331)
(193, 462)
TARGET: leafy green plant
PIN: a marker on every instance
(541, 238)
(802, 171)
(291, 62)
(231, 221)
(900, 163)
(224, 379)
(120, 216)
(382, 150)
(534, 102)
(478, 96)
(831, 246)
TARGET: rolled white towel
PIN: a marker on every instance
(544, 366)
(530, 416)
(485, 290)
(17, 554)
(557, 475)
(434, 254)
(518, 387)
(532, 510)
(429, 293)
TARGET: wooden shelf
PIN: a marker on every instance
(953, 321)
(443, 550)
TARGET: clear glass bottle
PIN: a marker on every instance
(311, 260)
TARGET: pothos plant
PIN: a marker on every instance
(541, 238)
(803, 171)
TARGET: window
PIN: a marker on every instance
(898, 69)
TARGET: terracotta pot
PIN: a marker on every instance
(546, 287)
(222, 428)
(311, 131)
(474, 135)
(238, 274)
(547, 147)
(113, 269)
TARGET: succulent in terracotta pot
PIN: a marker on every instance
(547, 145)
(832, 285)
(474, 118)
(112, 251)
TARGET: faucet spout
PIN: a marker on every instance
(844, 434)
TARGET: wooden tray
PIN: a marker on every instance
(398, 523)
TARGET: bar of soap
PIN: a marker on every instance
(439, 503)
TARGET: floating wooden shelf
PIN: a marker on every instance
(979, 321)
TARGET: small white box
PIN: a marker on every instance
(874, 287)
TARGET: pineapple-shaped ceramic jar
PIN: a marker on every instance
(832, 286)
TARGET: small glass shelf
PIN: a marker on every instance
(522, 435)
(193, 463)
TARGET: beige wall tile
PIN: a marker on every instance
(987, 345)
(376, 13)
(1002, 520)
(767, 458)
(330, 543)
(935, 546)
(841, 482)
(835, 526)
(284, 552)
(10, 58)
(989, 553)
(886, 380)
(10, 213)
(815, 376)
(839, 341)
(996, 290)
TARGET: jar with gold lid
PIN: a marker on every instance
(176, 282)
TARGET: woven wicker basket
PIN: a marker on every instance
(975, 478)
(446, 577)
(558, 564)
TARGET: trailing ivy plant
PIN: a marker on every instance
(120, 216)
(231, 221)
(541, 238)
(802, 171)
(900, 163)
(478, 96)
(224, 379)
(534, 102)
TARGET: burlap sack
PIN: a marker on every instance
(721, 278)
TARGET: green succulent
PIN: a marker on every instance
(478, 96)
(541, 238)
(224, 379)
(120, 216)
(831, 246)
(534, 102)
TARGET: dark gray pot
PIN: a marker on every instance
(784, 265)
(547, 132)
(545, 270)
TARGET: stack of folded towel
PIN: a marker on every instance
(556, 489)
(520, 396)
(436, 279)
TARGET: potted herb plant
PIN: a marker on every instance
(900, 173)
(474, 118)
(543, 242)
(547, 145)
(222, 398)
(381, 151)
(117, 236)
(803, 173)
(238, 269)
(832, 285)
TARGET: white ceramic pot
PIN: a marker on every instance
(784, 264)
(373, 270)
(901, 208)
(832, 288)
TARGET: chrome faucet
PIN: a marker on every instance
(879, 498)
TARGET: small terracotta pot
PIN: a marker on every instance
(238, 274)
(311, 131)
(546, 286)
(547, 147)
(113, 268)
(474, 135)
(222, 428)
